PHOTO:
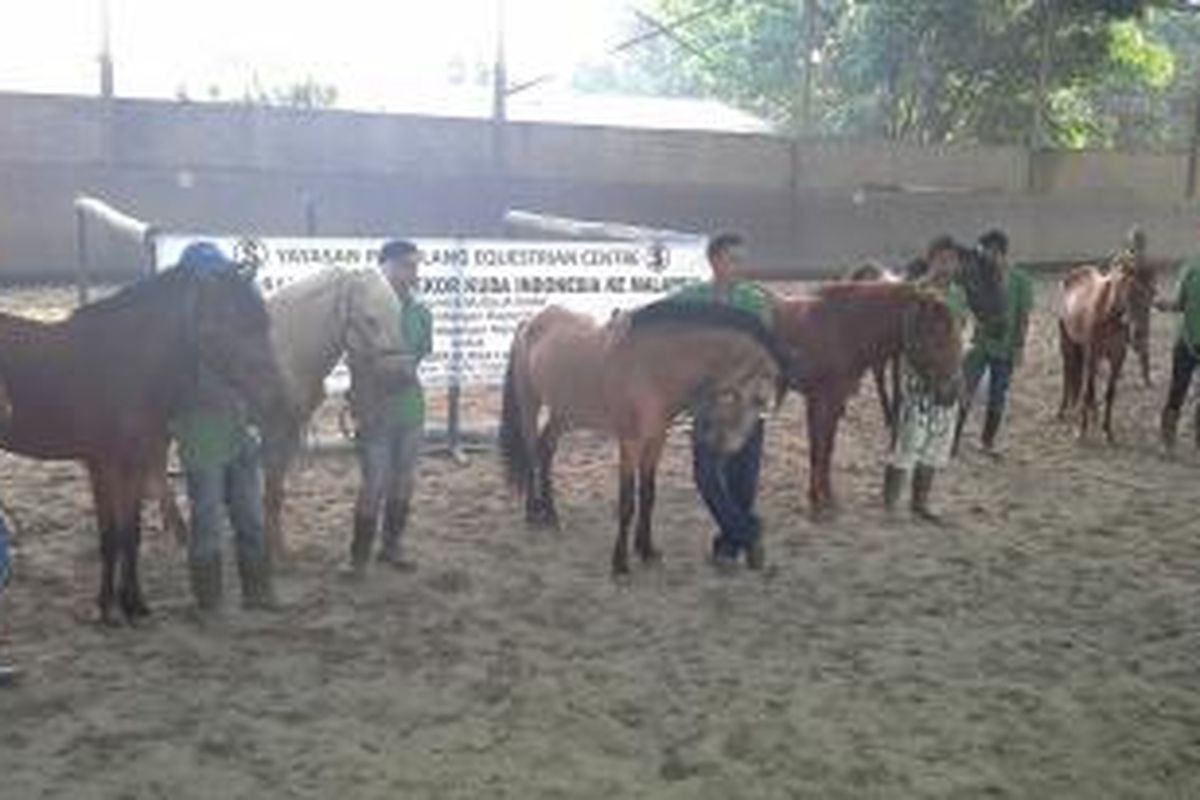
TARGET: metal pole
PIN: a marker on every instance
(81, 252)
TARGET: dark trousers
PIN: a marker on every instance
(1183, 364)
(999, 372)
(729, 486)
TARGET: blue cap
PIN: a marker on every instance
(205, 257)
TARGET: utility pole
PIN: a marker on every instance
(105, 57)
(809, 9)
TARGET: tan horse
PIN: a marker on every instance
(314, 321)
(1096, 323)
(630, 379)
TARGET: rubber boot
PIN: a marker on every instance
(206, 585)
(360, 546)
(893, 484)
(258, 589)
(1169, 429)
(991, 426)
(395, 519)
(922, 485)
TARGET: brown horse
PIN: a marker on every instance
(843, 330)
(888, 393)
(630, 378)
(99, 387)
(1095, 324)
(982, 284)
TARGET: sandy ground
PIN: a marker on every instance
(1043, 645)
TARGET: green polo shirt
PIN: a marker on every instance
(742, 295)
(407, 407)
(1189, 304)
(210, 429)
(1002, 339)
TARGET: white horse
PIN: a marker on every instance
(314, 322)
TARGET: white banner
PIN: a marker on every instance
(479, 290)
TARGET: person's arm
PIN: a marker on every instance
(1175, 304)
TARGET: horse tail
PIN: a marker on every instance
(514, 438)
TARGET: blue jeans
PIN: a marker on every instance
(387, 459)
(729, 486)
(1000, 371)
(236, 485)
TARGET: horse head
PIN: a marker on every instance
(1136, 288)
(230, 330)
(728, 407)
(931, 342)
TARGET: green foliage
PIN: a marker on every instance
(306, 94)
(930, 71)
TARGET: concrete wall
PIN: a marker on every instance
(806, 206)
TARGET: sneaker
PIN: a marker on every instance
(9, 675)
(723, 559)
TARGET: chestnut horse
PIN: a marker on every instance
(100, 386)
(314, 322)
(844, 329)
(981, 282)
(1096, 323)
(630, 378)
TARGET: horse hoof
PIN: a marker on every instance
(651, 555)
(824, 513)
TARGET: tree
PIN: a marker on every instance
(930, 71)
(306, 94)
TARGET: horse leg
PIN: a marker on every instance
(647, 471)
(1089, 389)
(879, 372)
(1072, 371)
(626, 473)
(547, 512)
(277, 458)
(127, 497)
(823, 415)
(1116, 362)
(101, 498)
(158, 486)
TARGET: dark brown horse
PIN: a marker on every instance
(844, 329)
(1096, 324)
(630, 378)
(99, 387)
(1141, 298)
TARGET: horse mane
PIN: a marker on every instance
(146, 290)
(711, 315)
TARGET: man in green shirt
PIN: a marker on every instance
(391, 422)
(997, 348)
(729, 483)
(220, 460)
(1186, 355)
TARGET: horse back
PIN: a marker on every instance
(1085, 293)
(563, 353)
